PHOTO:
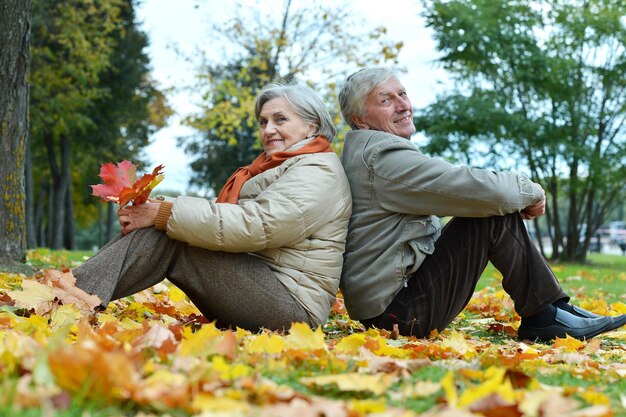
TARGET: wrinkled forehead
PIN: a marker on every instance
(390, 86)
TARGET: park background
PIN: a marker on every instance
(518, 85)
(526, 86)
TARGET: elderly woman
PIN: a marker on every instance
(266, 253)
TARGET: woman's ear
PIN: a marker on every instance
(313, 130)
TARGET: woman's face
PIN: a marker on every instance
(280, 127)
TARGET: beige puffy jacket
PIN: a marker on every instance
(294, 217)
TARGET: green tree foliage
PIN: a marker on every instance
(306, 41)
(540, 84)
(92, 102)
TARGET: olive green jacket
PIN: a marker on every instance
(397, 194)
(293, 217)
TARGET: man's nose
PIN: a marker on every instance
(402, 104)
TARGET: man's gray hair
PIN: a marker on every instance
(354, 93)
(305, 102)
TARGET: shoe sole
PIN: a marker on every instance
(550, 333)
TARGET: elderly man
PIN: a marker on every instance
(400, 267)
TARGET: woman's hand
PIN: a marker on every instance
(137, 217)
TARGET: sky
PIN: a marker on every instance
(177, 28)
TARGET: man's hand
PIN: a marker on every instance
(535, 210)
(137, 217)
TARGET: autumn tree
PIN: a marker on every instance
(123, 118)
(539, 86)
(14, 70)
(307, 41)
(71, 47)
(92, 102)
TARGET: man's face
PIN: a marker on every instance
(388, 109)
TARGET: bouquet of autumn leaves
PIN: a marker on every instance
(121, 185)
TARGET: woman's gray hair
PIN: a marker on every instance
(354, 93)
(305, 102)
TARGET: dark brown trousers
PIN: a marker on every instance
(443, 285)
(235, 289)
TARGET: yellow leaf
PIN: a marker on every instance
(241, 333)
(301, 337)
(33, 296)
(449, 388)
(176, 294)
(569, 344)
(228, 372)
(619, 307)
(350, 344)
(353, 382)
(106, 318)
(494, 383)
(265, 344)
(595, 398)
(65, 314)
(365, 407)
(208, 403)
(201, 342)
(384, 349)
(33, 325)
(456, 342)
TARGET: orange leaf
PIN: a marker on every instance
(107, 375)
(121, 185)
(115, 178)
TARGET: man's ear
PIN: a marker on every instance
(359, 122)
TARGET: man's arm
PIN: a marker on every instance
(409, 182)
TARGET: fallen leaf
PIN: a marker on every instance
(86, 369)
(352, 382)
(569, 344)
(65, 289)
(302, 337)
(494, 406)
(33, 296)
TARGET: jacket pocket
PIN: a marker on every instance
(421, 234)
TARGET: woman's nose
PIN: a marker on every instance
(270, 127)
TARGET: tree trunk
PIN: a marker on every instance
(14, 71)
(39, 217)
(69, 217)
(31, 233)
(60, 184)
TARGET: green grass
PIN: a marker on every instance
(46, 258)
(603, 277)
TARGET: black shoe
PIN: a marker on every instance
(618, 321)
(566, 323)
(584, 313)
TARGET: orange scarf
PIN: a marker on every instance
(232, 188)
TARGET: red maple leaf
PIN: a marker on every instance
(121, 185)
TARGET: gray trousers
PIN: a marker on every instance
(235, 289)
(443, 285)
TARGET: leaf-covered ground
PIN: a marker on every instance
(153, 354)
